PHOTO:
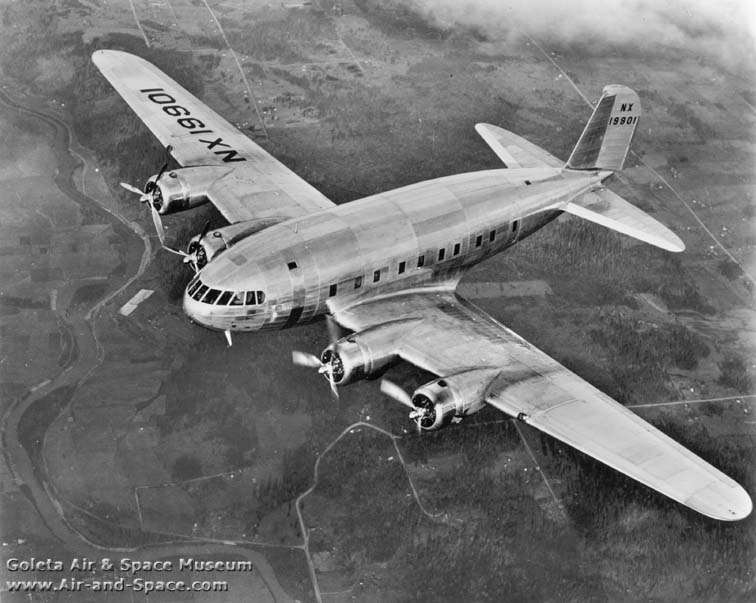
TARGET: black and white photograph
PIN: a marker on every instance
(326, 301)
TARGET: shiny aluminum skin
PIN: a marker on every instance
(369, 238)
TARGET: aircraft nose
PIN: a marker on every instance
(193, 309)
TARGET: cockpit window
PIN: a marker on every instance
(200, 292)
(197, 290)
(211, 296)
(193, 287)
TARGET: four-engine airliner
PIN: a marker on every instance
(385, 268)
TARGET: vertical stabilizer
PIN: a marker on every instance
(604, 143)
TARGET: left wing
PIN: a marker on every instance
(452, 336)
(257, 185)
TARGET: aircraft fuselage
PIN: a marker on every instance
(422, 235)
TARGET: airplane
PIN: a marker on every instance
(385, 269)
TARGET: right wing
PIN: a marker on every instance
(257, 186)
(451, 336)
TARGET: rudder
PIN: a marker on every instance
(604, 143)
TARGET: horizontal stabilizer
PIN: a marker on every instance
(604, 207)
(515, 151)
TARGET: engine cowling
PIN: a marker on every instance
(440, 401)
(365, 354)
(184, 188)
(205, 246)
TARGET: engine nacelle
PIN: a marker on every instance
(456, 396)
(365, 354)
(206, 247)
(184, 188)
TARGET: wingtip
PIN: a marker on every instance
(733, 506)
(105, 54)
(674, 244)
(740, 508)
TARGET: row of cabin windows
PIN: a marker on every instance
(420, 259)
(201, 292)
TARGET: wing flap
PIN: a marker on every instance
(515, 151)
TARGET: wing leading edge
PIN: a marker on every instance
(258, 185)
(453, 336)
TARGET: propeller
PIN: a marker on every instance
(392, 390)
(143, 197)
(149, 195)
(192, 256)
(305, 359)
(308, 360)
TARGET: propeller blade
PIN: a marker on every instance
(158, 225)
(334, 331)
(161, 172)
(392, 390)
(205, 228)
(305, 359)
(183, 254)
(190, 259)
(131, 188)
(332, 383)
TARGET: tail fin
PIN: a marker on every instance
(604, 143)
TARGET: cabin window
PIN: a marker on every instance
(441, 253)
(331, 290)
(260, 297)
(515, 224)
(193, 287)
(211, 296)
(376, 276)
(292, 265)
(420, 261)
(250, 299)
(238, 299)
(225, 298)
(456, 248)
(492, 235)
(358, 282)
(200, 292)
(478, 240)
(402, 266)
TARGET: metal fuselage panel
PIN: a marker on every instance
(422, 235)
